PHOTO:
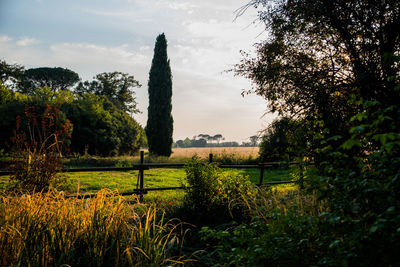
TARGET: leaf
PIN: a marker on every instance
(359, 129)
(350, 143)
(359, 116)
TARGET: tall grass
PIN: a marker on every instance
(283, 199)
(282, 230)
(47, 229)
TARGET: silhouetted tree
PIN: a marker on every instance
(55, 78)
(321, 53)
(160, 122)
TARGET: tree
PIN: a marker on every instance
(284, 139)
(160, 122)
(321, 53)
(254, 140)
(10, 73)
(218, 138)
(100, 130)
(116, 86)
(56, 79)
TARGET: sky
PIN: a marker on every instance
(94, 36)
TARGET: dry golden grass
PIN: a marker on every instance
(47, 229)
(203, 152)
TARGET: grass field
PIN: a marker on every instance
(227, 155)
(203, 152)
(91, 182)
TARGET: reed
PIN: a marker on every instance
(48, 229)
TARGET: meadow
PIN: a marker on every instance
(226, 155)
(50, 229)
(127, 181)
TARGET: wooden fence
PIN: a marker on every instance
(141, 190)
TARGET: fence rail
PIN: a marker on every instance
(141, 190)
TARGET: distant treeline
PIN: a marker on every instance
(99, 110)
(205, 140)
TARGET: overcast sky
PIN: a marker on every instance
(94, 36)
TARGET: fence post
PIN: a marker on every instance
(301, 179)
(261, 174)
(210, 158)
(141, 176)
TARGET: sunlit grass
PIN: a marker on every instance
(47, 229)
(235, 155)
(91, 182)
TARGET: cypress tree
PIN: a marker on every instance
(159, 121)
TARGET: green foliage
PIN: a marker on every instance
(98, 111)
(202, 179)
(212, 194)
(233, 186)
(116, 87)
(282, 232)
(159, 126)
(100, 128)
(366, 168)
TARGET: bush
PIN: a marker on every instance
(202, 179)
(212, 195)
(38, 150)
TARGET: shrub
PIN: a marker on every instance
(212, 195)
(38, 150)
(202, 179)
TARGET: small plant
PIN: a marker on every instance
(202, 179)
(213, 195)
(38, 149)
(124, 163)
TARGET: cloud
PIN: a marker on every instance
(27, 41)
(203, 41)
(5, 39)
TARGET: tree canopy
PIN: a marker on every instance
(55, 78)
(319, 54)
(99, 125)
(116, 86)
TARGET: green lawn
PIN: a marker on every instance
(91, 182)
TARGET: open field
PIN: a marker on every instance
(227, 155)
(91, 182)
(203, 152)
